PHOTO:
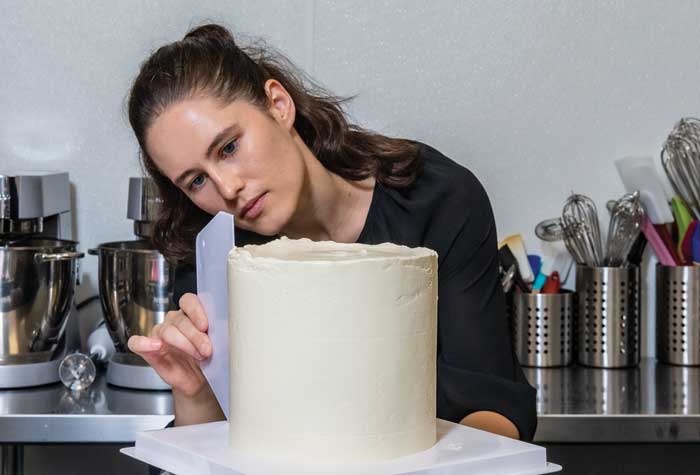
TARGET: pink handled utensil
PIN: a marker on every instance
(657, 244)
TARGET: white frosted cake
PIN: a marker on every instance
(333, 349)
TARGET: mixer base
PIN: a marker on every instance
(134, 376)
(29, 374)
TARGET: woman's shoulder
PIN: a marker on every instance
(442, 176)
(443, 188)
(445, 198)
(457, 210)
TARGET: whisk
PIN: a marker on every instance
(626, 219)
(581, 230)
(575, 242)
(680, 157)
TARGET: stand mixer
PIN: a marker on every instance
(38, 275)
(136, 287)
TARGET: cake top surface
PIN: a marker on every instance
(306, 250)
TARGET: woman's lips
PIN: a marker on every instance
(254, 209)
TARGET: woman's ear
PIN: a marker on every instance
(281, 105)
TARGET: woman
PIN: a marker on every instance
(223, 128)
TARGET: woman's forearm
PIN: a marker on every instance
(492, 422)
(197, 409)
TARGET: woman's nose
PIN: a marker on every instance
(229, 186)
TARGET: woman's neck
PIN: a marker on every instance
(330, 208)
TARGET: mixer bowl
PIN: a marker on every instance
(37, 288)
(136, 289)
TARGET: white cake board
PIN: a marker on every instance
(203, 449)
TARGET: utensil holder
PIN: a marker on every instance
(678, 315)
(542, 327)
(608, 316)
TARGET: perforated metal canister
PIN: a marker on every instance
(608, 316)
(542, 326)
(678, 315)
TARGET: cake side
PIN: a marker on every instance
(333, 358)
(319, 252)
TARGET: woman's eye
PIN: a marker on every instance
(197, 182)
(229, 148)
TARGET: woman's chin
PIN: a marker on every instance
(262, 228)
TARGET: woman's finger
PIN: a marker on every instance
(197, 338)
(169, 362)
(192, 307)
(155, 331)
(172, 336)
(143, 344)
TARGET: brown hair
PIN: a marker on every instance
(207, 61)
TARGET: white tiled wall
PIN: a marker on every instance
(536, 97)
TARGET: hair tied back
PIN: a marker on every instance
(210, 34)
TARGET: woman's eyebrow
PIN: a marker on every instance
(179, 180)
(220, 137)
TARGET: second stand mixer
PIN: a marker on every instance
(136, 289)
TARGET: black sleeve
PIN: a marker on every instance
(477, 368)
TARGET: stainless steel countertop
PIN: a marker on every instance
(102, 414)
(651, 403)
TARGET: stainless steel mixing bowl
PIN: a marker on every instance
(37, 288)
(136, 288)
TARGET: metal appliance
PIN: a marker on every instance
(38, 275)
(136, 288)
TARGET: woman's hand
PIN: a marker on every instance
(175, 347)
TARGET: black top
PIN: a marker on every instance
(447, 210)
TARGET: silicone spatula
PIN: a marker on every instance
(539, 282)
(696, 245)
(682, 216)
(553, 285)
(562, 263)
(517, 247)
(687, 243)
(666, 237)
(656, 243)
(639, 173)
(535, 263)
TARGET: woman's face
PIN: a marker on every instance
(235, 158)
